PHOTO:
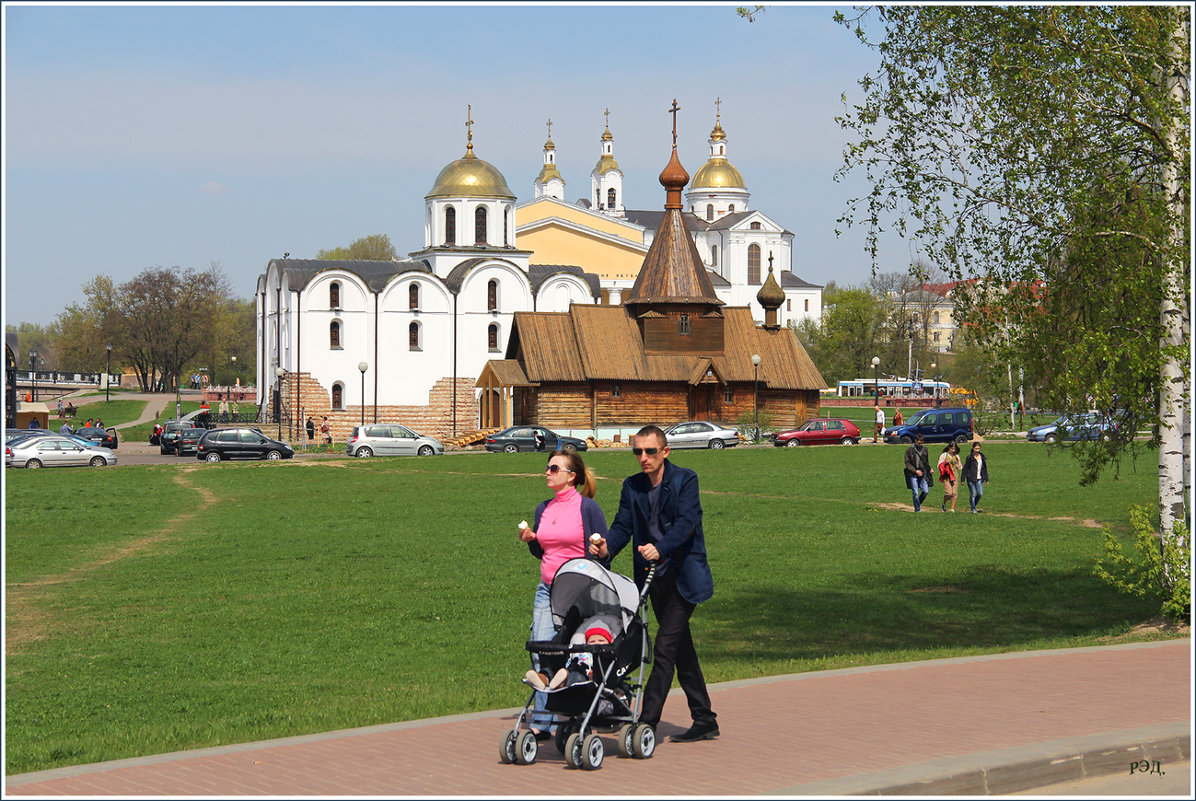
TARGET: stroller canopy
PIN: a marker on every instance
(593, 590)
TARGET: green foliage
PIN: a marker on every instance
(376, 247)
(844, 341)
(746, 423)
(1161, 570)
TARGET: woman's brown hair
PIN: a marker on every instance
(583, 477)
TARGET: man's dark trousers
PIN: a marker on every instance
(674, 650)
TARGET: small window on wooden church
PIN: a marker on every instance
(338, 397)
(413, 336)
(728, 395)
(610, 199)
(479, 226)
(616, 391)
(753, 264)
(714, 255)
(683, 325)
(334, 335)
(755, 226)
(450, 226)
(334, 295)
(492, 337)
(413, 295)
(492, 295)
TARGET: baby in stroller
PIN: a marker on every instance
(580, 666)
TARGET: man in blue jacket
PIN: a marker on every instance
(661, 514)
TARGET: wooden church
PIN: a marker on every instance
(671, 352)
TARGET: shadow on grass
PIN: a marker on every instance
(985, 607)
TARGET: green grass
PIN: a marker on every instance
(113, 413)
(314, 595)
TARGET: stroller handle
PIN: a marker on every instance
(652, 565)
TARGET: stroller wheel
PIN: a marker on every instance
(506, 750)
(526, 748)
(626, 742)
(593, 752)
(573, 752)
(643, 741)
(563, 730)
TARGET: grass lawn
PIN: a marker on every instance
(152, 609)
(113, 413)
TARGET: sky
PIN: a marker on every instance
(186, 135)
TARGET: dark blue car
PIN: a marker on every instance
(935, 425)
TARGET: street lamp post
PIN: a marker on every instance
(107, 371)
(876, 394)
(756, 395)
(933, 367)
(33, 374)
(278, 373)
(363, 366)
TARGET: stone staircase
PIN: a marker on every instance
(434, 419)
(471, 437)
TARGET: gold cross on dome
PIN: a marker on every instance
(607, 115)
(550, 127)
(718, 106)
(469, 125)
(674, 111)
(770, 261)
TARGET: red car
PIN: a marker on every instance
(823, 431)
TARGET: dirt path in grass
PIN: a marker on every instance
(26, 621)
(1086, 522)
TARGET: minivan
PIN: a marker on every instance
(935, 425)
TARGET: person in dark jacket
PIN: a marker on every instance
(917, 471)
(661, 515)
(975, 472)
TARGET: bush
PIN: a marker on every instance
(1161, 570)
(745, 424)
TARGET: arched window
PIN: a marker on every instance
(611, 199)
(334, 295)
(598, 198)
(492, 337)
(334, 334)
(731, 209)
(807, 304)
(413, 295)
(506, 229)
(755, 226)
(683, 325)
(936, 318)
(479, 225)
(709, 212)
(753, 264)
(450, 226)
(714, 255)
(492, 295)
(413, 337)
(338, 397)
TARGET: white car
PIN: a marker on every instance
(390, 439)
(701, 434)
(56, 451)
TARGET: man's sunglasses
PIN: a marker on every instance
(649, 451)
(556, 468)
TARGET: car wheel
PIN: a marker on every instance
(907, 440)
(1105, 436)
(569, 447)
(33, 464)
(426, 450)
(212, 457)
(847, 441)
(717, 444)
(273, 456)
(1050, 438)
(97, 461)
(793, 443)
(511, 447)
(364, 453)
(961, 439)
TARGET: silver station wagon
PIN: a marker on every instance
(390, 439)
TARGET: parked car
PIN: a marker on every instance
(55, 451)
(187, 440)
(104, 437)
(701, 434)
(170, 433)
(20, 433)
(522, 438)
(218, 444)
(823, 431)
(935, 425)
(390, 439)
(1092, 425)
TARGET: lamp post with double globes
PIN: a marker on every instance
(33, 374)
(278, 373)
(107, 371)
(756, 396)
(363, 366)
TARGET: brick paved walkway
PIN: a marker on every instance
(971, 725)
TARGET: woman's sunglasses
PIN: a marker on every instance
(556, 468)
(649, 451)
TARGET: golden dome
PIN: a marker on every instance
(718, 134)
(607, 163)
(717, 173)
(548, 173)
(469, 176)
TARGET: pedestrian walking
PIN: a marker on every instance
(949, 471)
(975, 472)
(311, 430)
(917, 471)
(880, 422)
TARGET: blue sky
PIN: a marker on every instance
(141, 136)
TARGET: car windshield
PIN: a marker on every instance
(915, 417)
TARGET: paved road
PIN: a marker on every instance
(986, 725)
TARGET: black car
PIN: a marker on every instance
(523, 438)
(170, 433)
(218, 444)
(104, 437)
(187, 440)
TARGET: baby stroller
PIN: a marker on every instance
(583, 591)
